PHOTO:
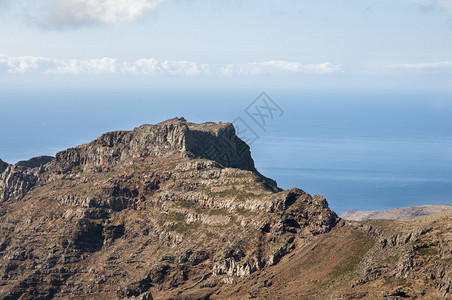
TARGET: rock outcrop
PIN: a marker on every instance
(16, 181)
(216, 142)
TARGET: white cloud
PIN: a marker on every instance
(259, 68)
(82, 12)
(106, 65)
(89, 66)
(324, 68)
(76, 13)
(154, 67)
(24, 64)
(277, 67)
(435, 67)
(44, 65)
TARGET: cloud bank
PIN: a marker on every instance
(153, 67)
(96, 66)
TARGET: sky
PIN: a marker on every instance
(287, 44)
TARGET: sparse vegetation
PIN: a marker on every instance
(218, 212)
(182, 227)
(77, 169)
(245, 212)
(390, 259)
(427, 251)
(175, 216)
(238, 193)
(362, 243)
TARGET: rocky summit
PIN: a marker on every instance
(178, 210)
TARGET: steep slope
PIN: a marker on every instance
(173, 208)
(381, 259)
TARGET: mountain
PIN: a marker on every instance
(401, 213)
(177, 210)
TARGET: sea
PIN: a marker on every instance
(360, 149)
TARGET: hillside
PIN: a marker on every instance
(177, 210)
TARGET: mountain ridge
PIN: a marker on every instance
(156, 185)
(177, 210)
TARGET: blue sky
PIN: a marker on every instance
(389, 44)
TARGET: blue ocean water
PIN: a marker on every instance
(365, 150)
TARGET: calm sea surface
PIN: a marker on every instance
(362, 150)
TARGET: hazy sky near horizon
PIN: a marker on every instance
(124, 43)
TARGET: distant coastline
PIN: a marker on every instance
(401, 213)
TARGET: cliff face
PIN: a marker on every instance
(177, 210)
(217, 142)
(16, 181)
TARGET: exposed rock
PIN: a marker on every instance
(16, 182)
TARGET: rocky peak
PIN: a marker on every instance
(214, 141)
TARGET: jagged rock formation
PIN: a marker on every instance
(178, 211)
(401, 213)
